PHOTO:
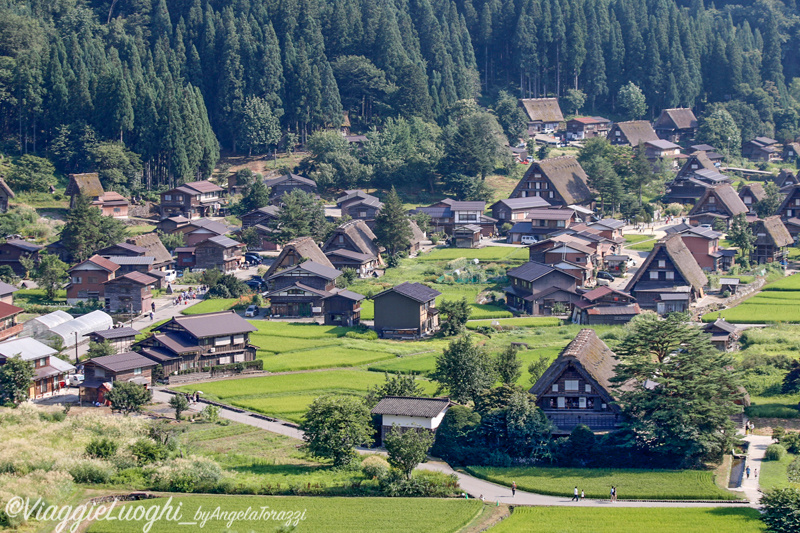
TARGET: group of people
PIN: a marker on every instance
(576, 497)
(749, 427)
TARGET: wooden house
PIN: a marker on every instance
(358, 204)
(220, 252)
(663, 150)
(604, 305)
(703, 243)
(354, 236)
(7, 292)
(610, 228)
(751, 194)
(448, 213)
(407, 310)
(786, 179)
(669, 280)
(512, 210)
(417, 238)
(544, 115)
(772, 241)
(466, 236)
(172, 224)
(198, 342)
(410, 413)
(790, 152)
(295, 252)
(6, 194)
(760, 149)
(709, 151)
(127, 263)
(12, 250)
(49, 371)
(542, 223)
(200, 230)
(730, 285)
(676, 125)
(581, 128)
(111, 204)
(185, 257)
(130, 293)
(119, 368)
(289, 182)
(534, 288)
(342, 308)
(717, 203)
(696, 175)
(616, 263)
(632, 133)
(153, 247)
(724, 335)
(121, 339)
(560, 181)
(9, 323)
(197, 199)
(576, 389)
(86, 279)
(299, 290)
(262, 215)
(790, 207)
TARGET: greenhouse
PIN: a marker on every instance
(74, 331)
(36, 327)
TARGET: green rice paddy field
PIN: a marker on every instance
(631, 520)
(777, 302)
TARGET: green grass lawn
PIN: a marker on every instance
(139, 229)
(529, 322)
(777, 302)
(634, 238)
(597, 482)
(794, 254)
(631, 520)
(331, 515)
(212, 305)
(489, 253)
(773, 474)
(326, 357)
(774, 406)
(37, 297)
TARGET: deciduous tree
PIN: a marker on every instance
(464, 370)
(15, 380)
(334, 425)
(408, 448)
(128, 397)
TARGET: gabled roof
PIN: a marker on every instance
(457, 205)
(416, 291)
(726, 196)
(565, 174)
(701, 160)
(755, 189)
(358, 233)
(681, 258)
(532, 270)
(785, 175)
(636, 131)
(6, 289)
(530, 202)
(299, 285)
(99, 261)
(153, 246)
(590, 120)
(355, 194)
(220, 240)
(6, 188)
(286, 177)
(135, 277)
(349, 254)
(703, 148)
(542, 109)
(680, 118)
(27, 348)
(306, 248)
(200, 187)
(615, 310)
(130, 260)
(775, 230)
(573, 245)
(312, 267)
(7, 310)
(694, 231)
(87, 184)
(661, 144)
(24, 245)
(722, 324)
(270, 211)
(411, 406)
(563, 213)
(206, 224)
(116, 333)
(586, 353)
(344, 293)
(122, 361)
(211, 324)
(417, 235)
(765, 141)
(608, 223)
(599, 292)
(126, 246)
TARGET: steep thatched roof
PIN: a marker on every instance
(155, 248)
(359, 234)
(726, 197)
(542, 109)
(755, 189)
(681, 258)
(636, 131)
(775, 230)
(306, 248)
(6, 188)
(588, 354)
(680, 118)
(566, 176)
(86, 184)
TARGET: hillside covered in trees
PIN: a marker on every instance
(154, 88)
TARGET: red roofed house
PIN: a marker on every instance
(110, 203)
(130, 293)
(86, 279)
(192, 200)
(8, 321)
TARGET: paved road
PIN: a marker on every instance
(476, 487)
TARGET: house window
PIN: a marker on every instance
(748, 200)
(137, 371)
(571, 385)
(617, 133)
(538, 185)
(362, 214)
(653, 275)
(76, 279)
(550, 194)
(99, 373)
(167, 197)
(670, 275)
(662, 263)
(555, 387)
(694, 166)
(561, 402)
(582, 403)
(587, 388)
(117, 210)
(711, 200)
(341, 238)
(225, 360)
(179, 197)
(797, 201)
(560, 223)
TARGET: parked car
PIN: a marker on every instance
(604, 278)
(528, 239)
(255, 284)
(250, 257)
(74, 380)
(251, 311)
(170, 275)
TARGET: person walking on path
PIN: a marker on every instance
(575, 495)
(583, 496)
(755, 473)
(747, 471)
(513, 488)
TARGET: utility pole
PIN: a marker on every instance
(77, 359)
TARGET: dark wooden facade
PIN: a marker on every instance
(406, 311)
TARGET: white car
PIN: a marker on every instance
(170, 275)
(74, 380)
(528, 239)
(251, 311)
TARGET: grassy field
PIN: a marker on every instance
(139, 229)
(37, 297)
(288, 396)
(211, 305)
(641, 243)
(596, 482)
(326, 357)
(631, 520)
(331, 515)
(489, 253)
(777, 302)
(773, 474)
(529, 322)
